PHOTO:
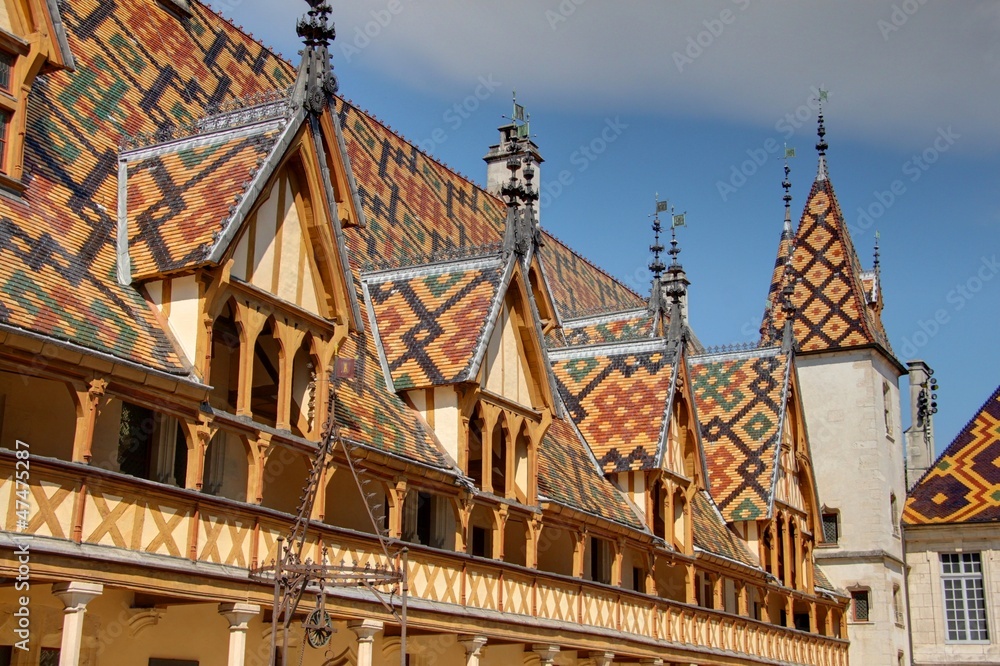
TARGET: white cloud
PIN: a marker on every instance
(897, 70)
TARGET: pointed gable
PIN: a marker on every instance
(740, 404)
(618, 396)
(963, 486)
(832, 310)
(431, 319)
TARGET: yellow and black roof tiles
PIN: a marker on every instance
(963, 486)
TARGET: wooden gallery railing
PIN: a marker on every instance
(89, 505)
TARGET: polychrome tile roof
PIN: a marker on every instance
(579, 287)
(179, 199)
(568, 474)
(618, 397)
(712, 535)
(963, 486)
(615, 327)
(740, 406)
(431, 323)
(831, 305)
(57, 249)
(777, 283)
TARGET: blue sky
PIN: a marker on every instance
(693, 100)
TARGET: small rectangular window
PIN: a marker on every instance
(861, 605)
(4, 132)
(964, 597)
(6, 70)
(831, 531)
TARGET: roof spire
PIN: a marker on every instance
(521, 194)
(787, 198)
(821, 145)
(316, 82)
(656, 266)
(877, 255)
(788, 308)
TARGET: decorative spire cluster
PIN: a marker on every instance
(316, 82)
(521, 195)
(656, 266)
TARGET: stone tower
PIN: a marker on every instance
(515, 137)
(849, 379)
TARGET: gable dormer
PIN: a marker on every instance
(32, 42)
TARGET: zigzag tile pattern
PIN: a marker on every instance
(635, 327)
(831, 308)
(618, 401)
(177, 200)
(739, 411)
(430, 326)
(57, 249)
(568, 475)
(713, 535)
(964, 485)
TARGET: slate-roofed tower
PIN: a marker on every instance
(849, 380)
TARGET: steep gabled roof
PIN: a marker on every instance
(831, 307)
(431, 319)
(568, 474)
(713, 535)
(177, 198)
(963, 486)
(57, 250)
(619, 398)
(740, 400)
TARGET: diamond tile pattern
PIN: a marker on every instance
(177, 200)
(964, 485)
(431, 326)
(740, 411)
(567, 474)
(713, 535)
(618, 401)
(832, 310)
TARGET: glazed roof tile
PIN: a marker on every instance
(57, 249)
(963, 486)
(431, 324)
(740, 406)
(568, 474)
(831, 304)
(614, 327)
(180, 198)
(712, 535)
(618, 397)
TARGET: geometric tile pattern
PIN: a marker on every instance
(713, 535)
(778, 279)
(618, 402)
(579, 287)
(740, 413)
(430, 326)
(372, 415)
(178, 199)
(634, 327)
(832, 311)
(964, 484)
(567, 474)
(57, 249)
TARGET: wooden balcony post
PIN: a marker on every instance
(88, 402)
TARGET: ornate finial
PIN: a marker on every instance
(656, 266)
(677, 283)
(787, 303)
(787, 198)
(316, 81)
(821, 145)
(877, 237)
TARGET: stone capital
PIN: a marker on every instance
(602, 658)
(365, 629)
(238, 614)
(546, 652)
(76, 595)
(473, 644)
